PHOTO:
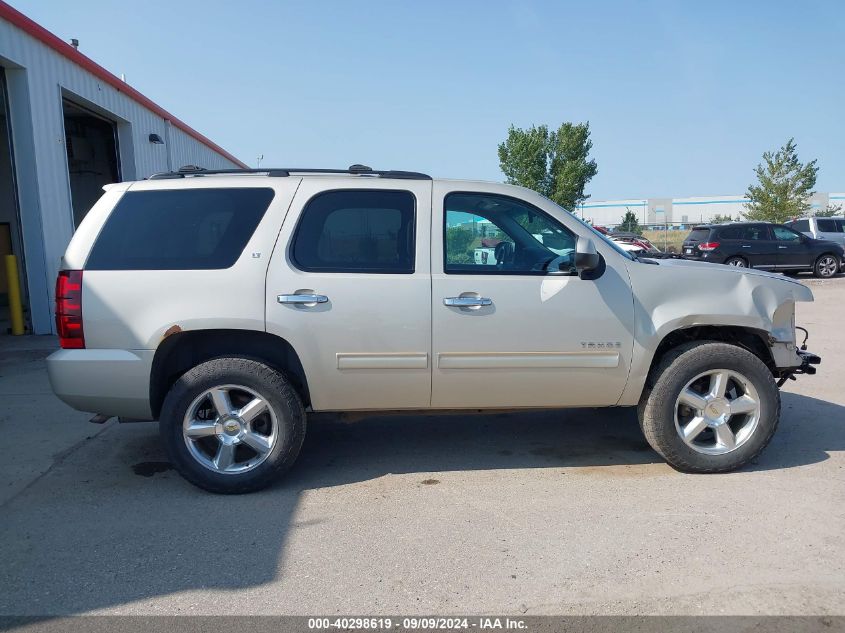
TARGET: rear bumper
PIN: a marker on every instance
(109, 381)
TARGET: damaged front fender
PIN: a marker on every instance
(679, 294)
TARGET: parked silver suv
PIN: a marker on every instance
(227, 305)
(832, 229)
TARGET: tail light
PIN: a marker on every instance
(708, 246)
(69, 309)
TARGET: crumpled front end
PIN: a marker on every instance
(707, 299)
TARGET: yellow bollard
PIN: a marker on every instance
(15, 306)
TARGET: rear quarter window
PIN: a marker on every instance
(698, 235)
(179, 229)
(731, 233)
(799, 225)
(826, 225)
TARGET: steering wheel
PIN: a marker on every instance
(504, 253)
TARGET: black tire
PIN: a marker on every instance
(656, 411)
(738, 262)
(823, 269)
(272, 386)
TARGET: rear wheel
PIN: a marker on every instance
(826, 266)
(232, 425)
(739, 262)
(712, 408)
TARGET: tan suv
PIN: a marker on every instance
(226, 305)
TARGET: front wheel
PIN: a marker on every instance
(826, 266)
(712, 407)
(232, 425)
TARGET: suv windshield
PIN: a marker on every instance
(605, 239)
(601, 235)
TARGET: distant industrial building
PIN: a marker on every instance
(681, 212)
(67, 127)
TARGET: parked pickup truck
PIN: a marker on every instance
(228, 305)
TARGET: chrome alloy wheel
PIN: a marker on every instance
(828, 266)
(717, 412)
(230, 429)
(739, 263)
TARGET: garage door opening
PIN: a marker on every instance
(11, 242)
(92, 157)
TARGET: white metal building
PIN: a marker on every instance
(680, 212)
(67, 127)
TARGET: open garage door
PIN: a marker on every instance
(92, 157)
(11, 242)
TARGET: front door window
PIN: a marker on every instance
(491, 234)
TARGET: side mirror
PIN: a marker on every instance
(586, 257)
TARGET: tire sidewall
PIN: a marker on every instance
(270, 385)
(736, 259)
(698, 360)
(817, 269)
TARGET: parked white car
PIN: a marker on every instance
(228, 305)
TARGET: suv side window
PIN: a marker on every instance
(826, 225)
(800, 225)
(732, 233)
(754, 233)
(357, 231)
(783, 234)
(179, 229)
(494, 234)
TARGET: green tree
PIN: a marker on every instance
(784, 186)
(630, 224)
(829, 211)
(555, 164)
(458, 242)
(721, 219)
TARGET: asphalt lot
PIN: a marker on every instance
(539, 513)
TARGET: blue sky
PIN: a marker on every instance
(682, 97)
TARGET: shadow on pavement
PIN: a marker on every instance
(112, 524)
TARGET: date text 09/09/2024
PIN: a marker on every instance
(417, 623)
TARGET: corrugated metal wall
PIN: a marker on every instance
(38, 78)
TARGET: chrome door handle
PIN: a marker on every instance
(302, 299)
(746, 246)
(781, 246)
(467, 302)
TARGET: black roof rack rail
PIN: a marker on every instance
(281, 172)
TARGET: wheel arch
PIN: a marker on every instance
(751, 339)
(181, 351)
(740, 257)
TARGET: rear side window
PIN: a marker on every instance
(356, 231)
(179, 229)
(731, 233)
(755, 232)
(800, 225)
(826, 225)
(698, 235)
